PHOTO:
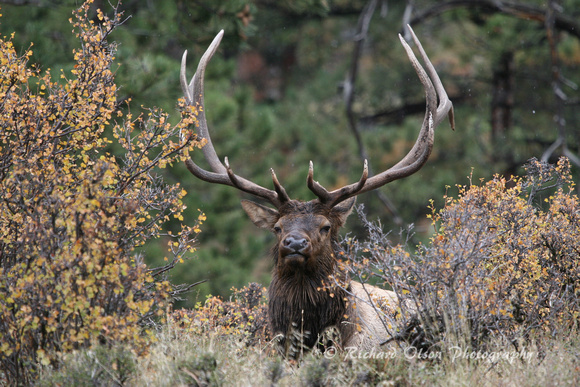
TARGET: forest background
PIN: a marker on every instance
(275, 98)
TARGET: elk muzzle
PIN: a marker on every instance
(295, 246)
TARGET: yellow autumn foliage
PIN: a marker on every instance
(72, 214)
(504, 263)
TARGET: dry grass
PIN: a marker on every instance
(184, 356)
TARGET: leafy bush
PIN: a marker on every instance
(244, 316)
(499, 265)
(72, 214)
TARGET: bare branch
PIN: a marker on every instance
(518, 10)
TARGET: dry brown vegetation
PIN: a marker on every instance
(199, 351)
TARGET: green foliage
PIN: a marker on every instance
(199, 369)
(72, 214)
(497, 267)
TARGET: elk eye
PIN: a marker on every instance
(324, 229)
(277, 230)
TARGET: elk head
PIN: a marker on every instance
(306, 235)
(307, 231)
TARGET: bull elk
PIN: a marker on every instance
(305, 255)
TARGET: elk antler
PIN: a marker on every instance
(411, 163)
(222, 173)
(420, 152)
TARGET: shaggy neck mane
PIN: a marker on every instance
(306, 302)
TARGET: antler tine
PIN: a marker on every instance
(422, 147)
(183, 80)
(420, 151)
(194, 92)
(315, 187)
(445, 105)
(282, 195)
(327, 197)
(277, 198)
(222, 174)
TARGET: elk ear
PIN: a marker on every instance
(343, 209)
(262, 216)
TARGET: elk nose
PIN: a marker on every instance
(295, 243)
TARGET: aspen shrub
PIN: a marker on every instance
(502, 264)
(245, 316)
(72, 214)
